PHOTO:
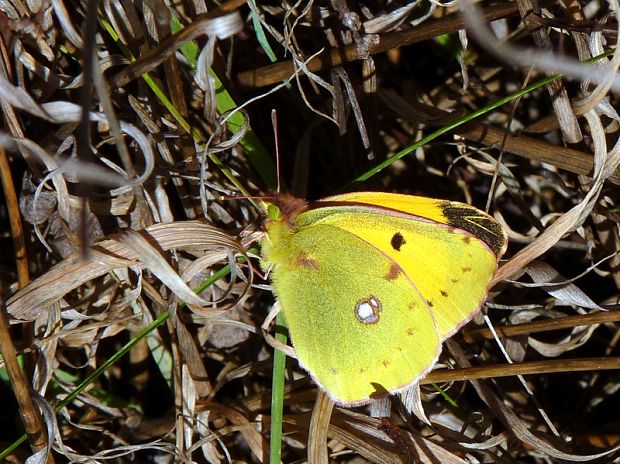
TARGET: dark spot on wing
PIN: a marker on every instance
(397, 241)
(410, 331)
(477, 223)
(466, 269)
(467, 240)
(429, 303)
(454, 281)
(386, 363)
(443, 293)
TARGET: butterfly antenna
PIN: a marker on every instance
(274, 123)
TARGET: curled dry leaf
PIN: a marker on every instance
(155, 148)
(125, 250)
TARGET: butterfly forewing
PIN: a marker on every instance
(449, 250)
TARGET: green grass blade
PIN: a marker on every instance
(277, 393)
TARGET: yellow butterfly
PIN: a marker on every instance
(372, 283)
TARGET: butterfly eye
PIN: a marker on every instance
(274, 212)
(367, 310)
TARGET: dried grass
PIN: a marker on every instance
(129, 208)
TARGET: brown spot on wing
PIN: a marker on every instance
(466, 269)
(386, 363)
(410, 331)
(443, 293)
(306, 261)
(393, 272)
(467, 240)
(429, 303)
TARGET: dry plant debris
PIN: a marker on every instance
(134, 133)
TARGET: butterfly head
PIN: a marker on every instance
(284, 208)
(282, 211)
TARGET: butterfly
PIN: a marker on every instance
(372, 283)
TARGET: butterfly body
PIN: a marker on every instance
(371, 284)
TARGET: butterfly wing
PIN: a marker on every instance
(448, 250)
(357, 323)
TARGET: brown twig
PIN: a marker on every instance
(526, 328)
(31, 416)
(522, 368)
(278, 72)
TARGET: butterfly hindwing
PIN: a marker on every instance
(357, 325)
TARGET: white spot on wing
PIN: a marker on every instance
(367, 310)
(364, 311)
